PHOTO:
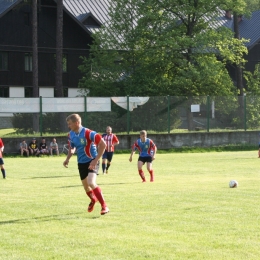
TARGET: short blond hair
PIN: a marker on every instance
(143, 132)
(74, 118)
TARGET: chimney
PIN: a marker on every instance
(228, 14)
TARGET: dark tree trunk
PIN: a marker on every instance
(239, 74)
(238, 67)
(59, 46)
(35, 61)
(59, 61)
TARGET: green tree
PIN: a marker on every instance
(244, 8)
(174, 47)
(253, 5)
(151, 47)
(253, 97)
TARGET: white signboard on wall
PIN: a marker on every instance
(32, 105)
(195, 108)
(19, 105)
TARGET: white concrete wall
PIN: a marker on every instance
(163, 141)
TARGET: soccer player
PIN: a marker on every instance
(90, 147)
(110, 140)
(1, 158)
(147, 151)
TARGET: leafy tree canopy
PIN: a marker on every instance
(170, 47)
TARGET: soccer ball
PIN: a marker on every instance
(233, 184)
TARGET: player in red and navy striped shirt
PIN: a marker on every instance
(147, 151)
(111, 140)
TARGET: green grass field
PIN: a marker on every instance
(189, 212)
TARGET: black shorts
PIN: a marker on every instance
(108, 155)
(84, 170)
(145, 159)
(1, 161)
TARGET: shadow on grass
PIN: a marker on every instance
(50, 177)
(119, 183)
(240, 158)
(45, 218)
(100, 184)
(70, 186)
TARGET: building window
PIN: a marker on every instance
(28, 92)
(65, 92)
(64, 62)
(28, 61)
(3, 60)
(4, 91)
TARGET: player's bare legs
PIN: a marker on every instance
(150, 170)
(94, 193)
(104, 165)
(108, 165)
(2, 170)
(141, 173)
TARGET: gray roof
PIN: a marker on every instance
(98, 9)
(6, 5)
(249, 28)
(81, 8)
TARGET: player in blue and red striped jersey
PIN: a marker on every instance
(90, 147)
(147, 151)
(111, 140)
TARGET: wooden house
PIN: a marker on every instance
(16, 47)
(81, 19)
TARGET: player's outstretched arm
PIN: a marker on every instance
(131, 155)
(101, 149)
(70, 153)
(155, 150)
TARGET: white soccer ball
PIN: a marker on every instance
(233, 184)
